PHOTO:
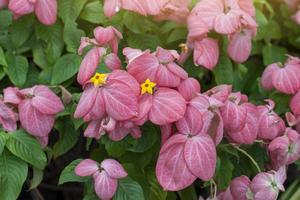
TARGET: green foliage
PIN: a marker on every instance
(13, 172)
(129, 189)
(68, 174)
(26, 148)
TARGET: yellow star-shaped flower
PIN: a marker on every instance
(147, 87)
(99, 79)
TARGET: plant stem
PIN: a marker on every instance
(250, 157)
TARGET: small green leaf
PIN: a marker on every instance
(148, 139)
(27, 148)
(21, 30)
(143, 41)
(68, 174)
(224, 171)
(177, 34)
(6, 18)
(274, 53)
(69, 10)
(3, 138)
(68, 136)
(13, 173)
(17, 69)
(129, 189)
(72, 35)
(117, 148)
(37, 178)
(65, 68)
(224, 71)
(93, 12)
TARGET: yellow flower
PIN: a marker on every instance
(99, 79)
(147, 87)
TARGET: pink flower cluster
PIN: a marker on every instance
(264, 186)
(175, 10)
(155, 88)
(105, 175)
(37, 107)
(45, 10)
(233, 18)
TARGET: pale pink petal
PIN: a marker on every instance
(239, 187)
(266, 79)
(171, 170)
(89, 65)
(120, 101)
(234, 116)
(112, 61)
(200, 156)
(131, 53)
(168, 106)
(11, 95)
(111, 7)
(144, 67)
(105, 187)
(93, 130)
(33, 121)
(220, 92)
(3, 3)
(239, 47)
(206, 53)
(189, 88)
(113, 168)
(46, 101)
(97, 112)
(86, 167)
(86, 101)
(197, 28)
(121, 76)
(46, 11)
(135, 6)
(119, 133)
(191, 123)
(174, 140)
(21, 7)
(247, 6)
(295, 103)
(207, 10)
(227, 23)
(166, 132)
(145, 104)
(8, 118)
(165, 78)
(177, 70)
(286, 80)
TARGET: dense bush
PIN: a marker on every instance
(149, 99)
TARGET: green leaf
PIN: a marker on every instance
(65, 68)
(70, 9)
(177, 34)
(68, 174)
(273, 53)
(224, 71)
(68, 136)
(137, 23)
(27, 148)
(117, 148)
(21, 30)
(148, 139)
(2, 57)
(93, 12)
(37, 178)
(72, 36)
(13, 173)
(143, 41)
(53, 40)
(3, 139)
(39, 55)
(17, 69)
(6, 18)
(224, 171)
(129, 189)
(188, 193)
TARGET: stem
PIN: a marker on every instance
(215, 188)
(250, 157)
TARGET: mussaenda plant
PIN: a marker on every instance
(113, 89)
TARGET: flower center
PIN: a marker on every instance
(184, 47)
(147, 87)
(99, 79)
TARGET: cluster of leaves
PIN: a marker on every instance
(31, 54)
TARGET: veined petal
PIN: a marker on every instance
(86, 167)
(113, 168)
(46, 11)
